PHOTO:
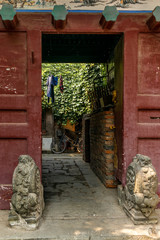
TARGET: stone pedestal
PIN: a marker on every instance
(27, 201)
(138, 218)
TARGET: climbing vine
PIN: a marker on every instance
(78, 79)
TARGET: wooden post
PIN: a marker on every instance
(59, 16)
(9, 17)
(109, 17)
(153, 22)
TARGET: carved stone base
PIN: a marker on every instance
(138, 218)
(16, 221)
(135, 215)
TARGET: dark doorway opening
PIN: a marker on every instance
(78, 48)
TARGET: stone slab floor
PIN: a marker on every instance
(78, 207)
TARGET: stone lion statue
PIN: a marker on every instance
(27, 201)
(139, 194)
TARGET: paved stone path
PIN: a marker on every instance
(78, 207)
(72, 189)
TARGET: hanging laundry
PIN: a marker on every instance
(61, 84)
(55, 80)
(50, 88)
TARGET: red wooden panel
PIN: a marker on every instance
(148, 130)
(118, 56)
(150, 147)
(16, 130)
(8, 102)
(149, 64)
(148, 116)
(13, 108)
(13, 116)
(10, 150)
(13, 63)
(148, 101)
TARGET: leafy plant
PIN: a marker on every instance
(78, 79)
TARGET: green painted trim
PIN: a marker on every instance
(7, 12)
(156, 13)
(110, 13)
(59, 12)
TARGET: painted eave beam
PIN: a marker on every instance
(153, 22)
(59, 16)
(8, 16)
(109, 17)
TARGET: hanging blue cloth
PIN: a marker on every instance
(55, 80)
(51, 82)
(50, 88)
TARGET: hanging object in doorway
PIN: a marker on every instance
(61, 84)
(51, 82)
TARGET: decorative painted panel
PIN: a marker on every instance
(86, 5)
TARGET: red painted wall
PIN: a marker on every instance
(20, 88)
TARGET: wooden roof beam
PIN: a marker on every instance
(8, 16)
(59, 16)
(109, 17)
(153, 22)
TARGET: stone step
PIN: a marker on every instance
(138, 237)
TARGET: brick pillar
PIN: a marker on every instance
(102, 146)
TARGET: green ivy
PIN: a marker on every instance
(78, 79)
